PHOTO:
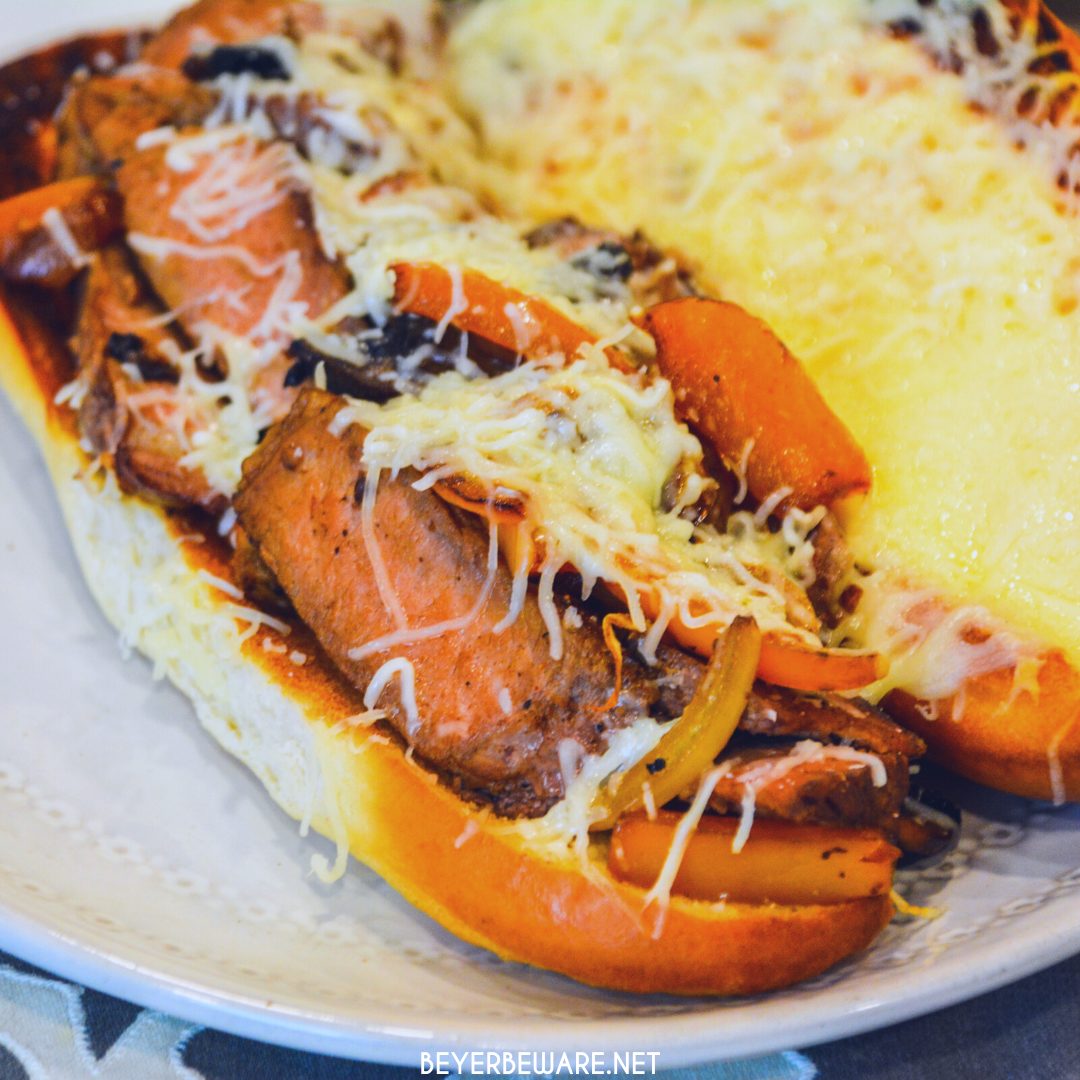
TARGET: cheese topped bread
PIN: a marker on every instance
(891, 186)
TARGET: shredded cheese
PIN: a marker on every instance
(390, 599)
(771, 770)
(238, 182)
(227, 587)
(914, 911)
(660, 892)
(591, 449)
(584, 775)
(1053, 757)
(933, 649)
(59, 230)
(406, 674)
(410, 635)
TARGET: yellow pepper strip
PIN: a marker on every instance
(689, 748)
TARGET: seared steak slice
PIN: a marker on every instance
(237, 293)
(228, 22)
(145, 452)
(493, 711)
(125, 411)
(255, 577)
(828, 718)
(102, 117)
(822, 790)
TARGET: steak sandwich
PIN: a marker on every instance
(513, 550)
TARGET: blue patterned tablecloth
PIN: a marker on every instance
(52, 1030)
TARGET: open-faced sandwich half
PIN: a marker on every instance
(892, 185)
(505, 555)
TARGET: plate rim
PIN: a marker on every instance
(682, 1039)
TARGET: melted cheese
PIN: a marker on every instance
(660, 892)
(402, 668)
(583, 776)
(591, 449)
(235, 174)
(838, 184)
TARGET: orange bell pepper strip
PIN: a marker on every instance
(477, 304)
(500, 506)
(739, 386)
(786, 662)
(29, 250)
(505, 509)
(780, 863)
(783, 661)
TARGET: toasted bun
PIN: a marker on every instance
(1020, 739)
(474, 874)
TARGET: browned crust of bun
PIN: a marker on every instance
(1005, 735)
(493, 892)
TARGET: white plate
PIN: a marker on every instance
(138, 858)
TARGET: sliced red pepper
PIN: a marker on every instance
(740, 387)
(784, 661)
(790, 663)
(781, 862)
(477, 304)
(500, 506)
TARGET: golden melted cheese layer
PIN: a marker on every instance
(836, 183)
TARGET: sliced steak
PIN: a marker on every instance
(242, 272)
(102, 117)
(32, 88)
(828, 718)
(832, 565)
(255, 577)
(136, 435)
(821, 791)
(119, 319)
(34, 249)
(227, 22)
(125, 413)
(494, 712)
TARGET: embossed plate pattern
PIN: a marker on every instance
(138, 858)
